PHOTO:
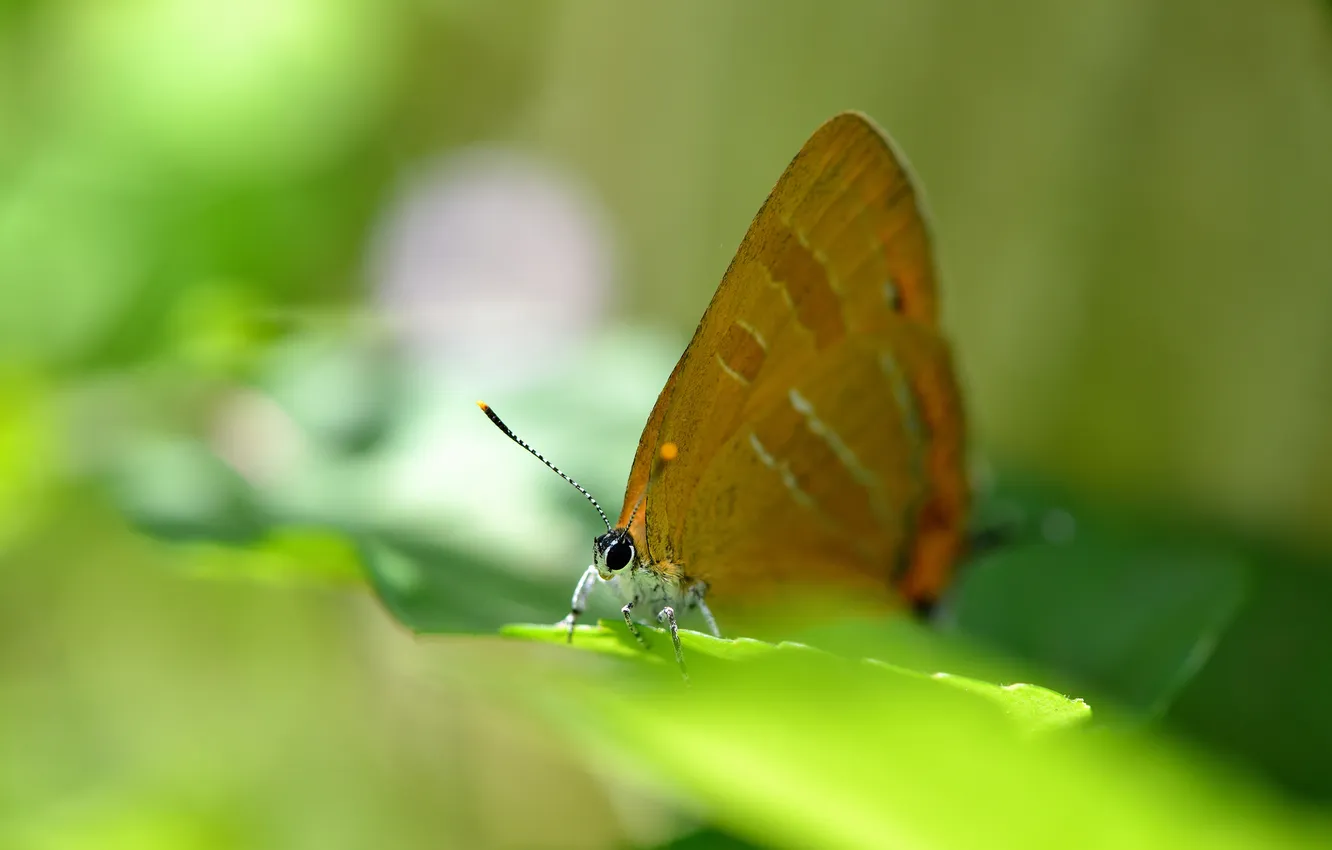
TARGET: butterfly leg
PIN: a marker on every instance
(579, 603)
(667, 616)
(708, 618)
(627, 611)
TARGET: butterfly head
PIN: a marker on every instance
(614, 553)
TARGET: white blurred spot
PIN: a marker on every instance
(491, 263)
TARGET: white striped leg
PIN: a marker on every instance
(627, 611)
(579, 603)
(667, 616)
(708, 618)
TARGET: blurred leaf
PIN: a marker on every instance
(28, 452)
(1266, 694)
(795, 749)
(248, 66)
(341, 392)
(282, 555)
(175, 488)
(1111, 607)
(76, 243)
(130, 822)
(214, 329)
(429, 588)
(708, 839)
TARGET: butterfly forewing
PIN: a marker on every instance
(815, 409)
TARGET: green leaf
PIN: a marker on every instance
(790, 747)
(1039, 708)
(179, 490)
(1107, 606)
(432, 588)
(291, 555)
(1030, 705)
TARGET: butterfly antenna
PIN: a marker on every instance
(669, 452)
(499, 423)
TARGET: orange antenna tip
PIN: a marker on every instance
(483, 405)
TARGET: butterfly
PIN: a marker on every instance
(811, 435)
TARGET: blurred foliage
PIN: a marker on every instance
(764, 735)
(215, 425)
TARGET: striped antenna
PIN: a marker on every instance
(499, 423)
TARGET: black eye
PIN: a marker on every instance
(619, 555)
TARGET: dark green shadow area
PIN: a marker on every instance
(434, 589)
(1223, 637)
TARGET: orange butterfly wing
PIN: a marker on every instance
(816, 412)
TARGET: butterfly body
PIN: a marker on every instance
(646, 588)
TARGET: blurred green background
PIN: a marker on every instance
(258, 258)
